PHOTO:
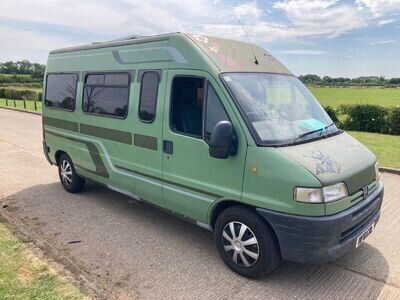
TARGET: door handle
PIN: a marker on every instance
(168, 147)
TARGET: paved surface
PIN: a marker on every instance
(137, 251)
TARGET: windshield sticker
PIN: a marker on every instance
(324, 164)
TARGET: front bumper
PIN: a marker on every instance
(319, 240)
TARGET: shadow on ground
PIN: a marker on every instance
(136, 250)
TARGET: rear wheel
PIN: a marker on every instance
(246, 243)
(71, 181)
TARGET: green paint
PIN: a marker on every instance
(171, 183)
(190, 182)
(101, 169)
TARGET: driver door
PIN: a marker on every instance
(193, 179)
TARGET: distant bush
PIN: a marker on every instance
(32, 85)
(394, 121)
(369, 118)
(332, 113)
(11, 79)
(18, 94)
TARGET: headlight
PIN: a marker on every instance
(335, 192)
(377, 174)
(320, 195)
(308, 195)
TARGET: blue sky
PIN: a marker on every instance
(326, 37)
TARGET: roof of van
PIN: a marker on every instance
(228, 55)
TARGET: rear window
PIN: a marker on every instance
(61, 91)
(106, 94)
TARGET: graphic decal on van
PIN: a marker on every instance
(324, 164)
(100, 168)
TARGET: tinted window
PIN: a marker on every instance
(148, 96)
(106, 94)
(187, 105)
(61, 91)
(215, 112)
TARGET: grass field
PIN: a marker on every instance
(385, 147)
(20, 104)
(25, 276)
(336, 96)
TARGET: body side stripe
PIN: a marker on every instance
(107, 133)
(119, 136)
(209, 197)
(172, 183)
(62, 124)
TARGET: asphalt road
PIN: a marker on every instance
(137, 251)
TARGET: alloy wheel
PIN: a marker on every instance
(241, 244)
(66, 172)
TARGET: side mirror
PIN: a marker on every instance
(221, 140)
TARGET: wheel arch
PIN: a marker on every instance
(58, 154)
(218, 207)
(223, 204)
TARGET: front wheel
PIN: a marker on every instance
(71, 181)
(246, 243)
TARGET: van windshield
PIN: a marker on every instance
(279, 108)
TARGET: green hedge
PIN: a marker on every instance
(15, 94)
(19, 79)
(366, 118)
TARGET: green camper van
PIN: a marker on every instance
(218, 132)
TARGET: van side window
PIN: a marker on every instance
(148, 96)
(187, 105)
(61, 91)
(106, 94)
(215, 112)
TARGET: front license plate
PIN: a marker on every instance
(361, 238)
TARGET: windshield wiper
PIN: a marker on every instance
(311, 132)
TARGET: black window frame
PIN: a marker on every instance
(77, 74)
(208, 83)
(107, 85)
(142, 74)
(171, 110)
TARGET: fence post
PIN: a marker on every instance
(6, 101)
(15, 105)
(34, 102)
(24, 104)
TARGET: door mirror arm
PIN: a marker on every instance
(222, 140)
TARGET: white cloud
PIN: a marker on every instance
(97, 20)
(385, 22)
(303, 52)
(380, 7)
(22, 44)
(248, 12)
(384, 42)
(321, 17)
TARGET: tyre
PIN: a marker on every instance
(68, 177)
(246, 242)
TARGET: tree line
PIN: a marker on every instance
(23, 67)
(312, 79)
(36, 70)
